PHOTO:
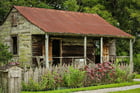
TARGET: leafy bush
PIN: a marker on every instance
(31, 86)
(5, 55)
(122, 73)
(99, 74)
(137, 63)
(106, 73)
(74, 77)
(52, 80)
(47, 82)
(1, 90)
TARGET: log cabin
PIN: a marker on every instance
(44, 37)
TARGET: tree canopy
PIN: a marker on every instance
(124, 14)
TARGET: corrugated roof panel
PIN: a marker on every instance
(59, 21)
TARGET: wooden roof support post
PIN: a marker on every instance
(47, 50)
(101, 50)
(131, 56)
(85, 50)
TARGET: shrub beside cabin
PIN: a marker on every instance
(44, 37)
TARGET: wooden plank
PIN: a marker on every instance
(101, 50)
(38, 45)
(112, 50)
(131, 56)
(11, 85)
(50, 50)
(30, 74)
(47, 49)
(35, 77)
(105, 53)
(39, 74)
(85, 50)
(61, 51)
(5, 82)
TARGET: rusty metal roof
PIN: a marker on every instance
(58, 21)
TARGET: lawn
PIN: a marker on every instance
(128, 91)
(88, 88)
(137, 76)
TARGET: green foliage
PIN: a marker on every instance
(70, 5)
(137, 76)
(49, 80)
(71, 77)
(6, 5)
(31, 86)
(74, 78)
(4, 9)
(101, 10)
(5, 55)
(122, 74)
(137, 63)
(137, 47)
(1, 90)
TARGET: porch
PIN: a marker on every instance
(50, 50)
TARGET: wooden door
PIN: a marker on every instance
(105, 53)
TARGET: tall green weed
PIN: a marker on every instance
(137, 63)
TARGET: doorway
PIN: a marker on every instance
(56, 51)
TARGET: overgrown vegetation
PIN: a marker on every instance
(137, 63)
(73, 77)
(5, 55)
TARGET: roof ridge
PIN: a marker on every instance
(66, 11)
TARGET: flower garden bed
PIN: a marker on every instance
(72, 77)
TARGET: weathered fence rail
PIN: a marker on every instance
(10, 79)
(34, 74)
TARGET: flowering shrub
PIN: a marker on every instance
(99, 74)
(13, 63)
(72, 77)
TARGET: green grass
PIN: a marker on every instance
(88, 88)
(137, 76)
(137, 90)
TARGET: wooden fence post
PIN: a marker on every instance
(10, 77)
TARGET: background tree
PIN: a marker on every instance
(121, 13)
(70, 5)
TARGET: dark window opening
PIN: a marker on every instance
(56, 51)
(15, 45)
(97, 51)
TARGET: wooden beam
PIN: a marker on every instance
(131, 56)
(61, 51)
(47, 50)
(85, 50)
(101, 50)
